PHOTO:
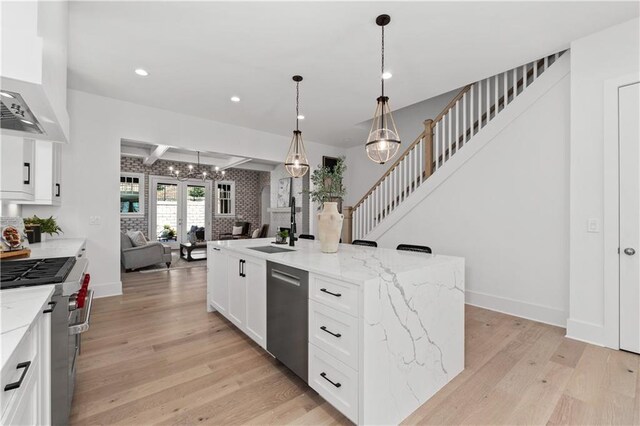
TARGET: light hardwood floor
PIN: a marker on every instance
(154, 355)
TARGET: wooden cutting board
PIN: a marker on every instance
(15, 254)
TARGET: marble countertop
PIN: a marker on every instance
(19, 308)
(356, 264)
(56, 247)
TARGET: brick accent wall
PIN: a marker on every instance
(248, 185)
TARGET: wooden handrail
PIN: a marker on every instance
(388, 172)
(451, 104)
(429, 124)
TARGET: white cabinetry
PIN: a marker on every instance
(25, 378)
(17, 159)
(217, 283)
(237, 288)
(237, 291)
(48, 187)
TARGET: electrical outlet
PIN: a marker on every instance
(593, 225)
(95, 220)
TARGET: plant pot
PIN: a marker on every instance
(329, 227)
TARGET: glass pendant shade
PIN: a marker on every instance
(296, 162)
(383, 141)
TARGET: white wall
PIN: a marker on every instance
(91, 167)
(506, 211)
(361, 172)
(605, 55)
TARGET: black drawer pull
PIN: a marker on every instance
(323, 328)
(328, 292)
(324, 376)
(57, 189)
(53, 306)
(28, 180)
(16, 385)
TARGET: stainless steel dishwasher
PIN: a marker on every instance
(288, 316)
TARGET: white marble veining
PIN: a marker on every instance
(412, 340)
(56, 247)
(19, 308)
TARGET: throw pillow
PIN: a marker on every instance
(237, 230)
(255, 233)
(137, 238)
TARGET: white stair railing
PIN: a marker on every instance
(467, 113)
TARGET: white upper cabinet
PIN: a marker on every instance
(48, 185)
(33, 70)
(17, 160)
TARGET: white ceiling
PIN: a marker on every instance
(199, 54)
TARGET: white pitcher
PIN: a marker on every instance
(329, 227)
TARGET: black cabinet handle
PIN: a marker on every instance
(16, 385)
(323, 328)
(240, 267)
(53, 306)
(243, 262)
(328, 292)
(324, 376)
(57, 189)
(28, 181)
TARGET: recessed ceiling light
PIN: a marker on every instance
(300, 117)
(142, 72)
(386, 75)
(235, 99)
(6, 95)
(26, 121)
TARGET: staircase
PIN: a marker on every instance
(468, 113)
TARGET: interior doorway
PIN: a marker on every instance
(178, 206)
(629, 154)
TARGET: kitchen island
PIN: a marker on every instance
(396, 319)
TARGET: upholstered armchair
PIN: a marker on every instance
(239, 234)
(152, 253)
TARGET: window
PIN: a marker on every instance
(132, 194)
(225, 198)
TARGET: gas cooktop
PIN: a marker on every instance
(28, 272)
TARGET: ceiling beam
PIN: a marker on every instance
(156, 154)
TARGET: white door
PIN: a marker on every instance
(256, 278)
(628, 118)
(177, 206)
(237, 291)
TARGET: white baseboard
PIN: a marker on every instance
(585, 332)
(107, 289)
(517, 308)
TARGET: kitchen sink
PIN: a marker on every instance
(270, 249)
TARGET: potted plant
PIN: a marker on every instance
(46, 226)
(281, 236)
(328, 189)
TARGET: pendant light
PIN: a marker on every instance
(383, 141)
(296, 163)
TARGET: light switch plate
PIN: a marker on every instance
(593, 225)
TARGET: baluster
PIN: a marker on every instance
(535, 70)
(471, 116)
(436, 136)
(505, 84)
(496, 99)
(488, 101)
(386, 196)
(546, 63)
(447, 147)
(480, 92)
(524, 77)
(464, 118)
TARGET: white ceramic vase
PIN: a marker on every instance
(329, 227)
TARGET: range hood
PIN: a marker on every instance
(16, 115)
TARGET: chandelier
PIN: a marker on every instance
(383, 141)
(296, 162)
(193, 174)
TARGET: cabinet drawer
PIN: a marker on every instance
(335, 332)
(337, 294)
(25, 353)
(334, 381)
